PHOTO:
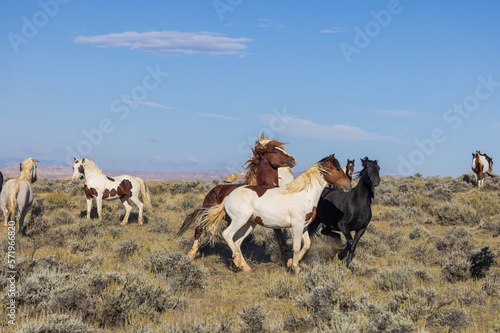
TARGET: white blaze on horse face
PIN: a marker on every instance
(76, 172)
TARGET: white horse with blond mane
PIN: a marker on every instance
(101, 187)
(293, 206)
(16, 197)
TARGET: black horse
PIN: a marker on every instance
(348, 211)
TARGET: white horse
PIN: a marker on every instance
(482, 165)
(16, 197)
(101, 187)
(293, 206)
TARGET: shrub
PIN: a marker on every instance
(493, 227)
(62, 216)
(159, 225)
(395, 279)
(456, 319)
(481, 262)
(176, 269)
(58, 200)
(456, 267)
(491, 285)
(415, 304)
(286, 287)
(253, 317)
(419, 232)
(127, 248)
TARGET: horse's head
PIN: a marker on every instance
(349, 168)
(273, 151)
(333, 173)
(370, 172)
(278, 157)
(28, 169)
(78, 169)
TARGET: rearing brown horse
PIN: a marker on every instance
(267, 156)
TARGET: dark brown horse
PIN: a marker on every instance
(267, 157)
(349, 169)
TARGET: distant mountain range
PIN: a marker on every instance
(65, 172)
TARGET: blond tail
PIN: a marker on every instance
(14, 189)
(234, 177)
(145, 196)
(210, 219)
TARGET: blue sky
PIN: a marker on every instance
(188, 85)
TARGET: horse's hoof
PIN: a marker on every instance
(191, 256)
(124, 223)
(289, 263)
(247, 269)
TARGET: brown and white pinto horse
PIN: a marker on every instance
(101, 187)
(482, 165)
(267, 156)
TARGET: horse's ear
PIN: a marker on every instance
(20, 167)
(74, 159)
(83, 160)
(261, 136)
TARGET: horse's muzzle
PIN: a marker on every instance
(292, 161)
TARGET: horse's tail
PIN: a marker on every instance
(210, 219)
(233, 177)
(145, 196)
(188, 221)
(14, 189)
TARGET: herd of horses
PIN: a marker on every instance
(269, 196)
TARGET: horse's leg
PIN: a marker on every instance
(22, 230)
(139, 205)
(98, 201)
(5, 214)
(357, 236)
(281, 241)
(89, 207)
(297, 231)
(197, 234)
(128, 209)
(240, 237)
(307, 244)
(343, 226)
(229, 234)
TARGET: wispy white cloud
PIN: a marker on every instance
(182, 161)
(152, 104)
(154, 139)
(171, 42)
(331, 31)
(214, 115)
(308, 129)
(269, 23)
(397, 113)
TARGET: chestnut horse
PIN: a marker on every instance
(482, 165)
(292, 206)
(267, 157)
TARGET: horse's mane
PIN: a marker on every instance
(27, 172)
(260, 148)
(88, 163)
(312, 175)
